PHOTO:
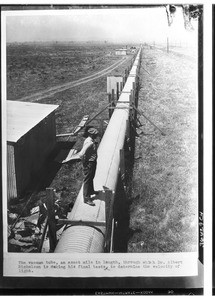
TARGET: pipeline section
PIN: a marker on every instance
(90, 239)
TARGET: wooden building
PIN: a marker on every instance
(121, 51)
(31, 136)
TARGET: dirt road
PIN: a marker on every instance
(59, 88)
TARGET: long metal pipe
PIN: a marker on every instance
(85, 238)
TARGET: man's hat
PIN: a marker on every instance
(93, 131)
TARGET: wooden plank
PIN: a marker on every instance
(43, 235)
(81, 222)
(65, 134)
(81, 124)
(11, 173)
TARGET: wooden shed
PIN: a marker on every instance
(31, 136)
(121, 51)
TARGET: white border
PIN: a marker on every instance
(207, 135)
(207, 118)
(4, 122)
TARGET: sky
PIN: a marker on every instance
(114, 25)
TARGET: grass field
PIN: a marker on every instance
(163, 212)
(49, 64)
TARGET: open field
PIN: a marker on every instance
(163, 202)
(46, 65)
(85, 99)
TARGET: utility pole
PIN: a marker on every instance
(167, 45)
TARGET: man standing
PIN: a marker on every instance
(88, 155)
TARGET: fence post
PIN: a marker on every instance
(126, 74)
(110, 103)
(108, 219)
(121, 86)
(51, 218)
(117, 90)
(123, 81)
(112, 95)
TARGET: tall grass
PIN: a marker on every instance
(163, 212)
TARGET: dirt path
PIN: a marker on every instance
(59, 88)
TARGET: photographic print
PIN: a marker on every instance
(102, 120)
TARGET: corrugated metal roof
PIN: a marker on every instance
(23, 116)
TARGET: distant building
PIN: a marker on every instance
(121, 51)
(133, 51)
(31, 136)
